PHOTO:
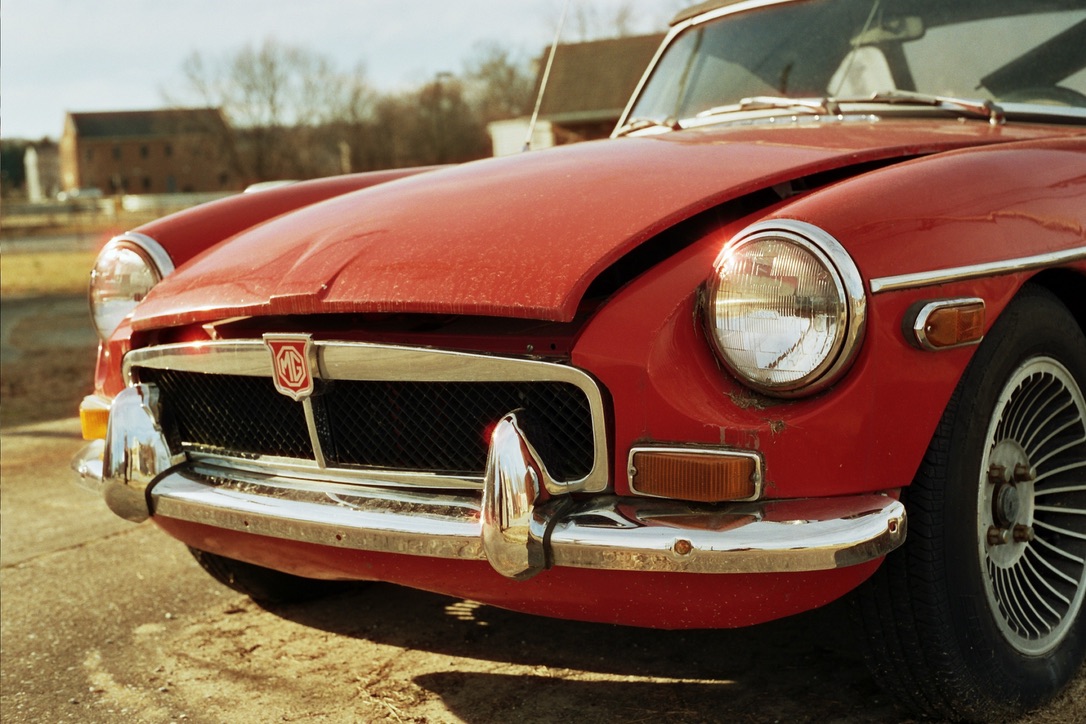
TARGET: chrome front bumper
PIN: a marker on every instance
(514, 524)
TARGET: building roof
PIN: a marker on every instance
(702, 7)
(146, 124)
(592, 81)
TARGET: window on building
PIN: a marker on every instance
(169, 150)
(144, 152)
(89, 154)
(146, 183)
(117, 152)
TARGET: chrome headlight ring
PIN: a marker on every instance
(126, 269)
(786, 308)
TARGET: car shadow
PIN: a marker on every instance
(808, 661)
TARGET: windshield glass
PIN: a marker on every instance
(1012, 51)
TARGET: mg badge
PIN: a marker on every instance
(292, 364)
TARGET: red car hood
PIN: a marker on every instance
(515, 237)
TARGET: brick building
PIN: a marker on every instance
(147, 152)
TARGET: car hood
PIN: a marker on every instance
(521, 236)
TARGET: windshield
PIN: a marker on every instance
(1009, 51)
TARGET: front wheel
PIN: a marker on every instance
(980, 614)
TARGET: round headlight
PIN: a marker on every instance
(786, 308)
(126, 269)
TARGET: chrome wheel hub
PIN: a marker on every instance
(1010, 496)
(1031, 509)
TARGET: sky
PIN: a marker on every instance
(58, 56)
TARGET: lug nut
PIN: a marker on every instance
(1023, 533)
(1024, 473)
(997, 474)
(998, 536)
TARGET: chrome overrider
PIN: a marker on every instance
(521, 522)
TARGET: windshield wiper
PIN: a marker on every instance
(817, 106)
(639, 124)
(966, 106)
(823, 106)
(832, 106)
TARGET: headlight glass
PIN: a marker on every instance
(125, 271)
(785, 308)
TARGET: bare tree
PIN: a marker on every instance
(279, 99)
(293, 115)
(592, 20)
(497, 84)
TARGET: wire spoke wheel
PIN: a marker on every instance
(1032, 507)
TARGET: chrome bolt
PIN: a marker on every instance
(1023, 533)
(1024, 473)
(997, 474)
(998, 536)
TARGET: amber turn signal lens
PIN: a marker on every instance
(697, 475)
(951, 323)
(94, 418)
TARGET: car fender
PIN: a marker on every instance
(958, 210)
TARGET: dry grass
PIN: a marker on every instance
(45, 381)
(45, 273)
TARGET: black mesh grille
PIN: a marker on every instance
(243, 415)
(439, 427)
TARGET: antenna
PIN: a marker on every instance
(546, 77)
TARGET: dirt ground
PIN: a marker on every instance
(382, 653)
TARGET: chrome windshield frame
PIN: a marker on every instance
(998, 111)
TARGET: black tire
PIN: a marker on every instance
(960, 624)
(264, 585)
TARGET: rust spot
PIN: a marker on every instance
(683, 547)
(745, 400)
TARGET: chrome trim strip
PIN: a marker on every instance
(308, 470)
(386, 363)
(631, 471)
(770, 537)
(956, 274)
(832, 254)
(729, 9)
(151, 249)
(676, 30)
(314, 436)
(608, 532)
(341, 516)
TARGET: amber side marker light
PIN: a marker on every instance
(94, 417)
(946, 323)
(704, 476)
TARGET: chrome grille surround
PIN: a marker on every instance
(365, 362)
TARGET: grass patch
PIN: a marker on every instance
(45, 273)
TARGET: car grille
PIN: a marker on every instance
(391, 410)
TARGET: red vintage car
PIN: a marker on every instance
(825, 283)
